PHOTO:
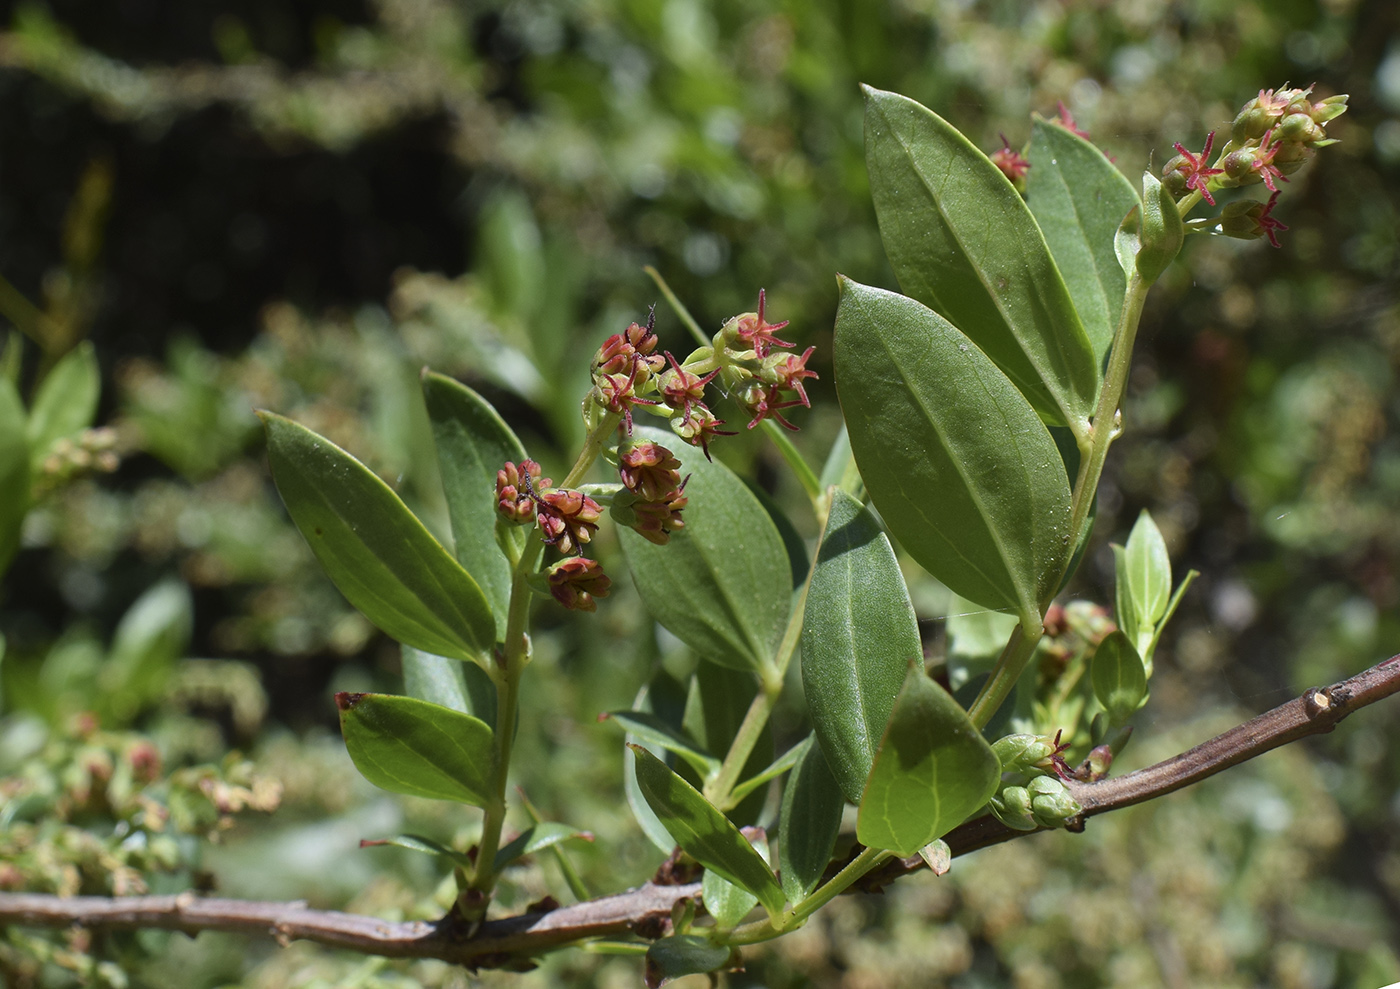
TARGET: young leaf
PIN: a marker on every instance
(811, 818)
(1161, 233)
(961, 468)
(375, 550)
(463, 687)
(473, 442)
(65, 402)
(417, 843)
(682, 954)
(727, 903)
(962, 241)
(1120, 682)
(537, 838)
(420, 749)
(1149, 570)
(649, 728)
(1078, 199)
(859, 633)
(933, 769)
(723, 584)
(705, 833)
(14, 471)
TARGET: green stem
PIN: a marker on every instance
(1010, 663)
(678, 307)
(766, 930)
(718, 790)
(800, 467)
(592, 447)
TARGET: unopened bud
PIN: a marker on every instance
(1051, 803)
(1012, 806)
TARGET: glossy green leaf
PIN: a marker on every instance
(375, 550)
(1078, 199)
(1149, 570)
(705, 833)
(723, 584)
(649, 728)
(405, 745)
(463, 687)
(537, 838)
(962, 241)
(1161, 233)
(417, 843)
(473, 441)
(682, 954)
(792, 540)
(14, 471)
(664, 697)
(810, 821)
(1120, 682)
(859, 633)
(933, 769)
(66, 401)
(726, 903)
(716, 703)
(960, 467)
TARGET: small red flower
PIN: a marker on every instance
(575, 583)
(682, 389)
(1196, 168)
(515, 487)
(761, 401)
(568, 518)
(649, 470)
(618, 393)
(1011, 163)
(754, 331)
(1066, 120)
(622, 352)
(1267, 223)
(790, 371)
(656, 520)
(699, 428)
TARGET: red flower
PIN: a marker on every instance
(656, 520)
(761, 401)
(1012, 165)
(754, 331)
(683, 389)
(515, 489)
(1197, 170)
(568, 518)
(1066, 120)
(1267, 223)
(699, 428)
(649, 470)
(789, 371)
(575, 582)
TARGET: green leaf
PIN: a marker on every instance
(417, 843)
(375, 550)
(962, 241)
(859, 633)
(65, 402)
(1120, 682)
(729, 904)
(664, 697)
(14, 472)
(151, 636)
(1149, 569)
(960, 467)
(1078, 199)
(461, 686)
(682, 954)
(933, 769)
(792, 540)
(409, 746)
(723, 584)
(1161, 232)
(811, 818)
(976, 637)
(473, 442)
(649, 728)
(705, 833)
(537, 838)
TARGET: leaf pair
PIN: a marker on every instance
(895, 742)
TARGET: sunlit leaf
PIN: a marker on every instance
(1120, 682)
(375, 550)
(649, 728)
(705, 833)
(473, 441)
(723, 584)
(405, 745)
(461, 686)
(933, 769)
(961, 468)
(963, 242)
(859, 633)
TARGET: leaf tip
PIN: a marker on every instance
(346, 701)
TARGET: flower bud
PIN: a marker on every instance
(1012, 806)
(567, 518)
(1051, 803)
(649, 469)
(514, 499)
(1018, 753)
(575, 583)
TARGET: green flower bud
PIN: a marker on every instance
(1051, 803)
(1299, 127)
(1017, 753)
(1012, 806)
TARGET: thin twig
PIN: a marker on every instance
(511, 942)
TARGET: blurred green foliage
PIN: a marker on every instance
(720, 142)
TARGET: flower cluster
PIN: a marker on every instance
(566, 519)
(746, 357)
(653, 494)
(1272, 136)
